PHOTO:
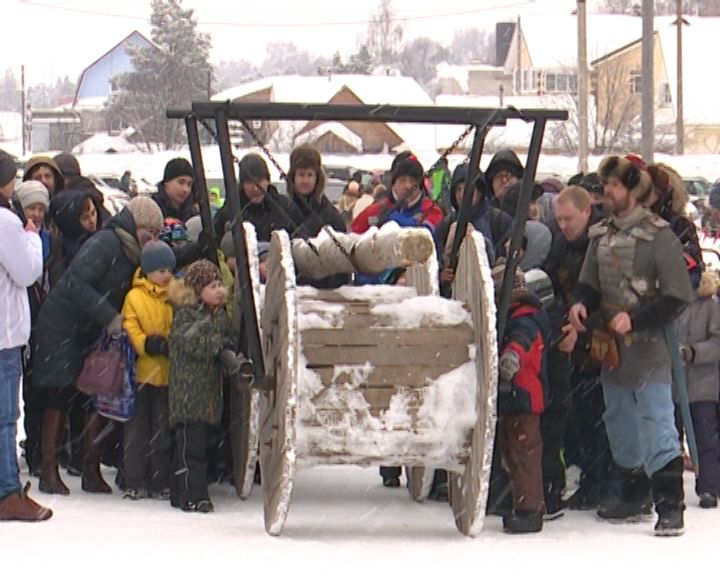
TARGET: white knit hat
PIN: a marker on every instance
(32, 192)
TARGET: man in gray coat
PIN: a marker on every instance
(634, 275)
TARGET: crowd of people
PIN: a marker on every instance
(586, 380)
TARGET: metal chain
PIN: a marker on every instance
(450, 149)
(349, 255)
(266, 151)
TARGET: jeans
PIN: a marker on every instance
(640, 426)
(10, 371)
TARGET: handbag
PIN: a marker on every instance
(104, 367)
(121, 406)
(604, 349)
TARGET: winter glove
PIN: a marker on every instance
(205, 243)
(156, 345)
(235, 363)
(509, 365)
(115, 326)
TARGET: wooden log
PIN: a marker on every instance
(370, 253)
(448, 356)
(381, 376)
(439, 336)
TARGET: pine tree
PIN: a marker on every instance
(172, 73)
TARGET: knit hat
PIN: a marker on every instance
(410, 166)
(32, 192)
(177, 167)
(68, 164)
(519, 285)
(252, 168)
(8, 169)
(201, 273)
(146, 213)
(636, 180)
(194, 227)
(156, 255)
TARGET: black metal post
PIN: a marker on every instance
(200, 185)
(247, 298)
(518, 228)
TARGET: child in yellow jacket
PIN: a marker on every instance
(147, 317)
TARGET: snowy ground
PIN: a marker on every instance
(341, 521)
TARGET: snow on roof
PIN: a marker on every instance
(340, 130)
(101, 143)
(457, 73)
(397, 90)
(701, 83)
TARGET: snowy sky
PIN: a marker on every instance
(57, 37)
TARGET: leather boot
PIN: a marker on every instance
(92, 480)
(634, 503)
(19, 506)
(669, 497)
(53, 428)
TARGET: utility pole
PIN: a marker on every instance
(23, 112)
(679, 113)
(518, 35)
(582, 94)
(648, 82)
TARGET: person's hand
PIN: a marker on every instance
(115, 326)
(156, 345)
(509, 365)
(447, 275)
(30, 226)
(569, 340)
(577, 316)
(621, 323)
(235, 363)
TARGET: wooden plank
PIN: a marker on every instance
(386, 376)
(430, 336)
(336, 415)
(451, 356)
(378, 398)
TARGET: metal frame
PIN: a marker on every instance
(482, 119)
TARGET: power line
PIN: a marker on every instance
(365, 21)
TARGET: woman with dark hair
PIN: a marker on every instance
(87, 298)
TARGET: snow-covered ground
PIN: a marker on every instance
(341, 521)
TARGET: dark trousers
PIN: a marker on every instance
(552, 429)
(705, 424)
(521, 447)
(586, 440)
(220, 457)
(147, 441)
(33, 408)
(189, 477)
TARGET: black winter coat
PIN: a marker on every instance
(275, 212)
(86, 299)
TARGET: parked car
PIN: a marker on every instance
(698, 189)
(114, 199)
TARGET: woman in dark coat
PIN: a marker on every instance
(87, 299)
(305, 186)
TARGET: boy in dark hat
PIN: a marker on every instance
(504, 170)
(175, 192)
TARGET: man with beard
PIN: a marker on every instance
(634, 273)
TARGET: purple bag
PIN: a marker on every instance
(104, 368)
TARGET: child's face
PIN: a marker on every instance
(213, 294)
(160, 277)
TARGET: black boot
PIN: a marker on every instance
(523, 523)
(669, 497)
(635, 501)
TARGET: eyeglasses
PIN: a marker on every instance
(504, 175)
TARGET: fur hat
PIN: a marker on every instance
(252, 168)
(177, 167)
(8, 169)
(201, 273)
(305, 157)
(146, 213)
(32, 192)
(627, 172)
(68, 164)
(156, 255)
(669, 187)
(407, 165)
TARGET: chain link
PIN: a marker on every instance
(450, 149)
(266, 151)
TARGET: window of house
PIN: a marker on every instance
(550, 82)
(636, 82)
(572, 82)
(561, 82)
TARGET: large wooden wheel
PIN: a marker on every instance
(473, 285)
(245, 400)
(278, 407)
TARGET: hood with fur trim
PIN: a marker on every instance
(180, 294)
(709, 284)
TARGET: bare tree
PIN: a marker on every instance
(384, 34)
